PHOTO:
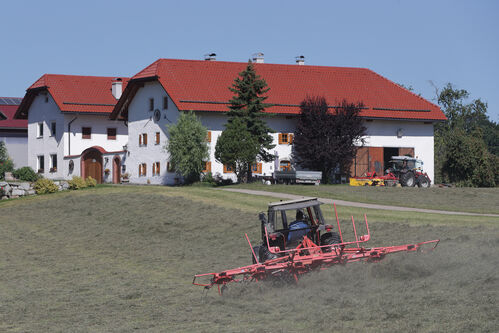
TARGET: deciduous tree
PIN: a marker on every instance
(187, 146)
(327, 138)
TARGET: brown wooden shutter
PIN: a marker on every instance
(207, 167)
(208, 136)
(145, 139)
(144, 168)
(140, 139)
(157, 138)
(227, 169)
(280, 138)
(259, 168)
(290, 138)
(158, 169)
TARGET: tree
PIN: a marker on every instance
(187, 146)
(6, 164)
(248, 105)
(236, 148)
(461, 153)
(324, 139)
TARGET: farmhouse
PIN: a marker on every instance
(69, 130)
(14, 132)
(398, 122)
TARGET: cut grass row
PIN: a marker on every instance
(473, 200)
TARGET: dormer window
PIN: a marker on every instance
(165, 103)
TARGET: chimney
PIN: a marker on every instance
(258, 58)
(117, 88)
(300, 60)
(210, 56)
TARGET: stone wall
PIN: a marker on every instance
(10, 189)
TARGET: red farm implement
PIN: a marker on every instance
(304, 245)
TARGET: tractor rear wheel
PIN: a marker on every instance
(256, 249)
(407, 179)
(330, 238)
(265, 254)
(423, 181)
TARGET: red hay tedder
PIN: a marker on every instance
(301, 246)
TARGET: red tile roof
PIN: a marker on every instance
(74, 93)
(8, 111)
(203, 86)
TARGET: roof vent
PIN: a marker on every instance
(300, 60)
(258, 58)
(210, 56)
(117, 88)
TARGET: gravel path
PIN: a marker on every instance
(356, 204)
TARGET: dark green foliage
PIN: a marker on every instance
(462, 143)
(6, 164)
(237, 148)
(187, 146)
(26, 174)
(325, 139)
(248, 105)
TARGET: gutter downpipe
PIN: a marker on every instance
(69, 135)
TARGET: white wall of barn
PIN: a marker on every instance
(381, 133)
(17, 147)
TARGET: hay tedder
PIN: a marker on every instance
(296, 248)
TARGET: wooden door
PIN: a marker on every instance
(360, 164)
(92, 164)
(116, 170)
(376, 162)
(406, 151)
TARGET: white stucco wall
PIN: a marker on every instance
(17, 148)
(64, 143)
(381, 133)
(140, 121)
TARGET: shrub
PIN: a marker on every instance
(26, 174)
(90, 182)
(44, 185)
(77, 183)
(6, 166)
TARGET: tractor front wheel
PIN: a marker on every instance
(256, 249)
(330, 238)
(408, 179)
(265, 254)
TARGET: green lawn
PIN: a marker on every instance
(121, 259)
(475, 200)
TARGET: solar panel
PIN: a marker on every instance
(10, 100)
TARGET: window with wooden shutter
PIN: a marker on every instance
(156, 170)
(256, 168)
(208, 136)
(207, 167)
(228, 169)
(285, 138)
(86, 132)
(157, 138)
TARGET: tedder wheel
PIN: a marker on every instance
(256, 249)
(265, 254)
(330, 238)
(407, 179)
(423, 181)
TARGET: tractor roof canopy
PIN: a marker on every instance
(294, 204)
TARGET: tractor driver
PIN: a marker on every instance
(298, 228)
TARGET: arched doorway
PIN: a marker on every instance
(116, 169)
(91, 164)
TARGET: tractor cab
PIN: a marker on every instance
(404, 163)
(287, 222)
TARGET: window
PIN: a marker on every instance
(157, 139)
(285, 138)
(142, 169)
(143, 139)
(207, 167)
(285, 165)
(256, 168)
(151, 104)
(208, 136)
(111, 133)
(170, 167)
(156, 169)
(228, 169)
(165, 103)
(53, 163)
(41, 163)
(39, 133)
(86, 132)
(46, 98)
(53, 128)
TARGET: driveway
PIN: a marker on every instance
(355, 204)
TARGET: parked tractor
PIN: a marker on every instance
(404, 170)
(291, 249)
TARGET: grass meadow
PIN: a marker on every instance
(121, 259)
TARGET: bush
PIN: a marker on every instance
(27, 174)
(44, 185)
(90, 182)
(77, 183)
(6, 166)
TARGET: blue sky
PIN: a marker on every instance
(409, 42)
